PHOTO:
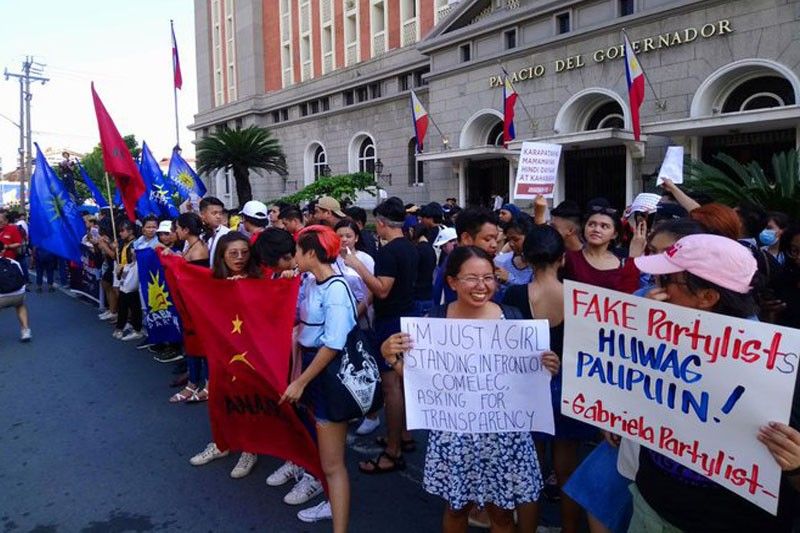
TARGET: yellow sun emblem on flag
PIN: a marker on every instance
(157, 295)
(185, 179)
(56, 206)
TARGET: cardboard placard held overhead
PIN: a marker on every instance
(672, 167)
(537, 170)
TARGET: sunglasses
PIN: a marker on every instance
(610, 211)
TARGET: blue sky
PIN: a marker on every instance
(124, 47)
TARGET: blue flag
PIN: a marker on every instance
(55, 223)
(98, 197)
(157, 199)
(161, 316)
(117, 198)
(183, 178)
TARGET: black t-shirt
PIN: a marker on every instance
(368, 243)
(397, 259)
(423, 288)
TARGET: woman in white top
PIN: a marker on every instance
(349, 234)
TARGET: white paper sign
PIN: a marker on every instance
(477, 376)
(537, 170)
(672, 167)
(693, 386)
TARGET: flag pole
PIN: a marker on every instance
(519, 96)
(175, 89)
(660, 104)
(113, 222)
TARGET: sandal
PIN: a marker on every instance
(187, 394)
(397, 463)
(201, 396)
(407, 446)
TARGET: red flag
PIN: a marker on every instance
(176, 62)
(117, 159)
(248, 346)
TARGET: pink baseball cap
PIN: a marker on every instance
(714, 258)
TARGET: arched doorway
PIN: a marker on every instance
(594, 171)
(315, 162)
(741, 87)
(486, 174)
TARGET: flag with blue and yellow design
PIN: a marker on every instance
(55, 223)
(183, 178)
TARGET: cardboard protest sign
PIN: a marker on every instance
(672, 167)
(477, 376)
(537, 170)
(691, 385)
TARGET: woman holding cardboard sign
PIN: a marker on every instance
(709, 273)
(498, 471)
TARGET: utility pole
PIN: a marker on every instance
(31, 71)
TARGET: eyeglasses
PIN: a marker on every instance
(237, 253)
(473, 281)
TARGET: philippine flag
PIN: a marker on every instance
(420, 116)
(176, 62)
(509, 100)
(635, 75)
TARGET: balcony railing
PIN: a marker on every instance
(351, 56)
(378, 43)
(409, 32)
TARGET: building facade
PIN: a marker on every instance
(332, 79)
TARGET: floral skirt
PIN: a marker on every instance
(497, 468)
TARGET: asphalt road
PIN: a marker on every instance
(89, 442)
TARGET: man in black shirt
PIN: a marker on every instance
(392, 286)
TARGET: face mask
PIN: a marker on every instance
(768, 237)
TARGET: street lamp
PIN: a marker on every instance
(379, 172)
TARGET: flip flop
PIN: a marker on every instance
(397, 463)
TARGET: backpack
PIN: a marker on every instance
(11, 279)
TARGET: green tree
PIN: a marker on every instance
(343, 187)
(243, 150)
(732, 183)
(93, 163)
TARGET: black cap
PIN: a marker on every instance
(431, 210)
(566, 209)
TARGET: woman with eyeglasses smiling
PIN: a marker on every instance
(232, 261)
(497, 471)
(596, 264)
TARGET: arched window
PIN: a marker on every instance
(366, 156)
(320, 162)
(760, 93)
(495, 137)
(608, 115)
(416, 171)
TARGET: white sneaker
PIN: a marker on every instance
(287, 471)
(304, 490)
(368, 426)
(322, 511)
(206, 456)
(118, 334)
(25, 335)
(104, 315)
(112, 317)
(246, 463)
(133, 336)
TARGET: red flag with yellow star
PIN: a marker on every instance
(247, 340)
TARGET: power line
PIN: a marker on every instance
(31, 71)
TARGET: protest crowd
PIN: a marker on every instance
(353, 277)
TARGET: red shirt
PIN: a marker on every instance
(10, 235)
(623, 279)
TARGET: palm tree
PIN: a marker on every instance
(732, 183)
(241, 150)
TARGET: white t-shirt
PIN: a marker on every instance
(213, 240)
(21, 289)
